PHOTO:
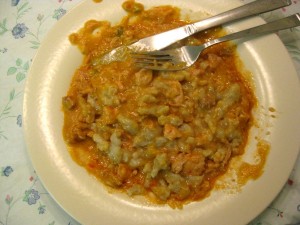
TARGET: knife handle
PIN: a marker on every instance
(274, 26)
(162, 40)
(251, 9)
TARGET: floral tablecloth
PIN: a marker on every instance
(23, 200)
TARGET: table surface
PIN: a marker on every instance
(23, 199)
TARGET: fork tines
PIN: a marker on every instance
(152, 60)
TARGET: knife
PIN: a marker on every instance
(164, 39)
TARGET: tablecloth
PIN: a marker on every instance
(23, 199)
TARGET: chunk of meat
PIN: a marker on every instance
(171, 132)
(124, 171)
(77, 132)
(172, 89)
(214, 61)
(188, 164)
(143, 77)
(68, 102)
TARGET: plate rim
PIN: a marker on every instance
(28, 93)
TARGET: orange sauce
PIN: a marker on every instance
(82, 113)
(247, 171)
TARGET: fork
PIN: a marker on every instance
(184, 57)
(165, 39)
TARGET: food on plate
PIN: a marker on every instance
(165, 135)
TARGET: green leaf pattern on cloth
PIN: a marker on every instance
(23, 25)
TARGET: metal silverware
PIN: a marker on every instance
(183, 57)
(162, 40)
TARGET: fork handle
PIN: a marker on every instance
(251, 9)
(281, 24)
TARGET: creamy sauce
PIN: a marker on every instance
(247, 171)
(166, 135)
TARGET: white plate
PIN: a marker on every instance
(83, 197)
